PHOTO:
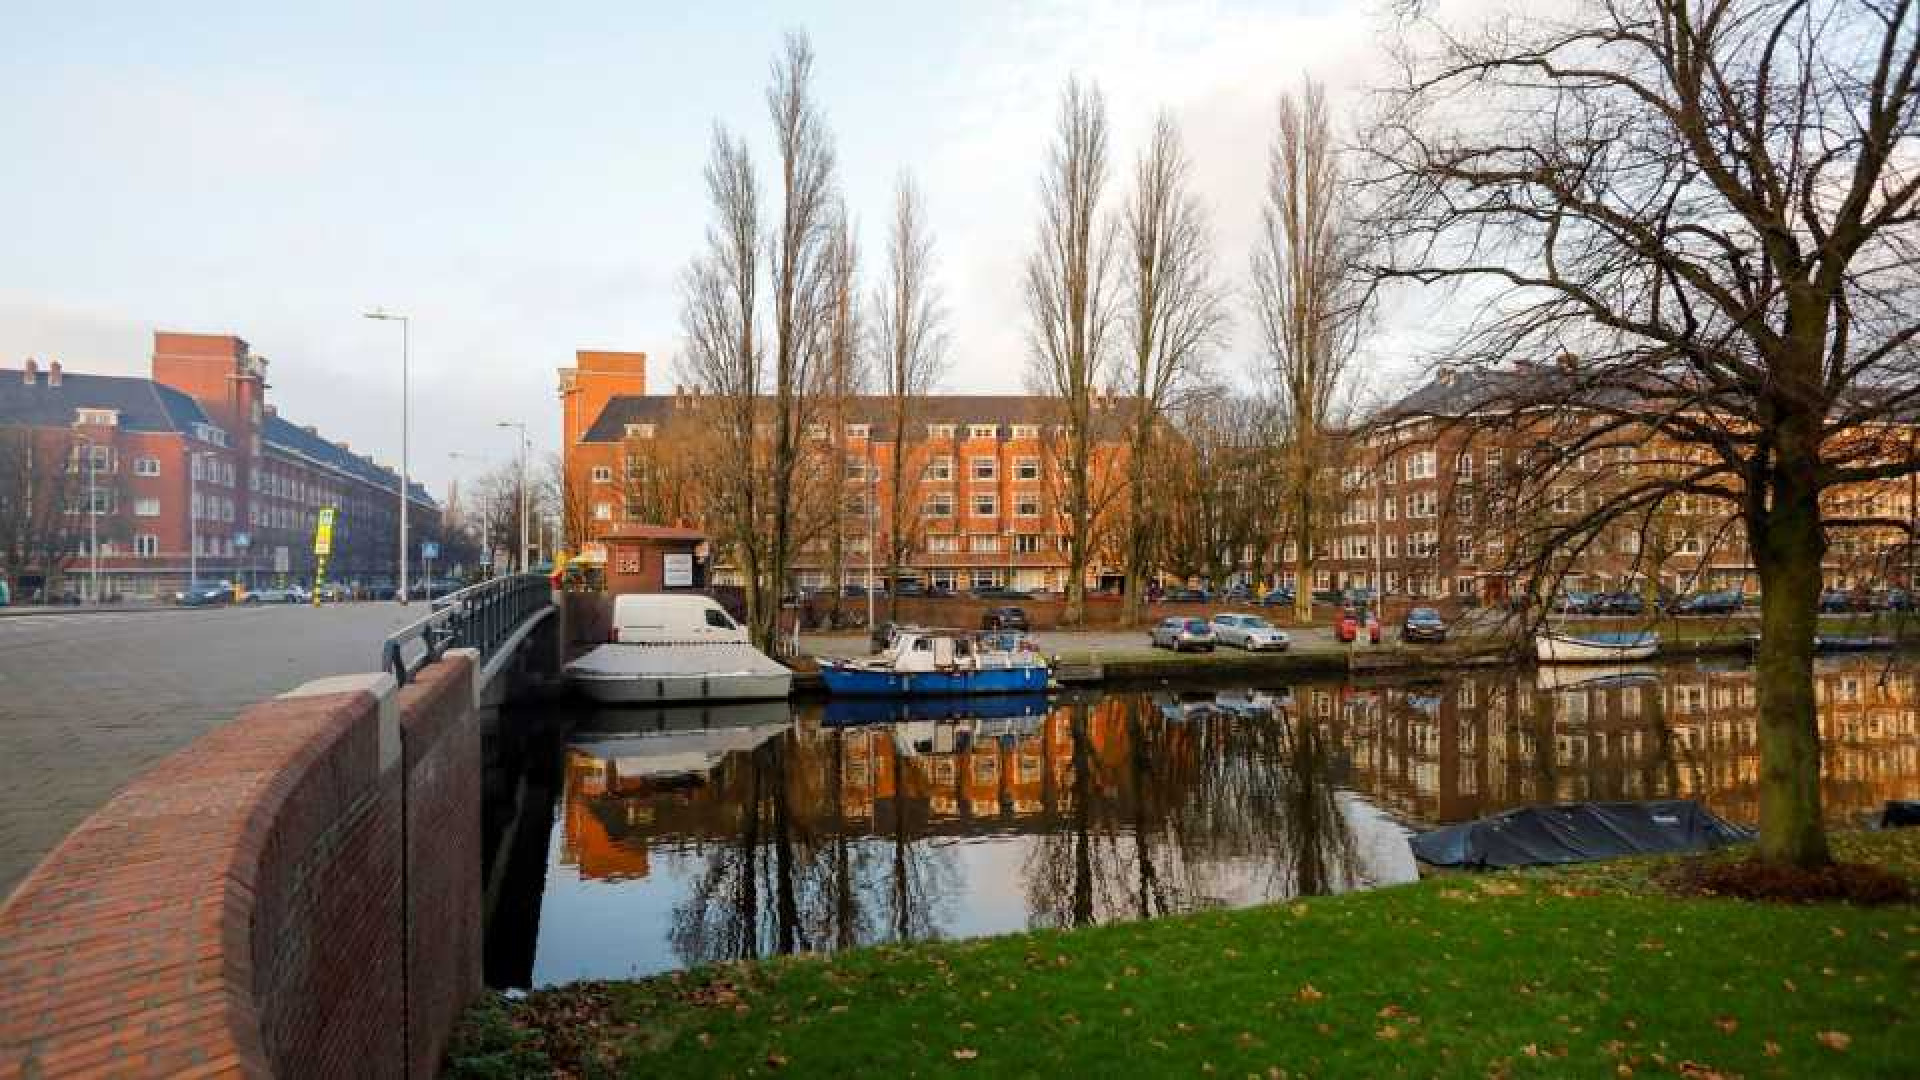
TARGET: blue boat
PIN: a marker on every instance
(940, 663)
(858, 711)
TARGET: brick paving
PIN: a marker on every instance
(87, 702)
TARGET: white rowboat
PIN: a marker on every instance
(1597, 647)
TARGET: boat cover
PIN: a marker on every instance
(1900, 812)
(683, 660)
(1578, 832)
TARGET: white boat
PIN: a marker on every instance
(676, 647)
(1595, 647)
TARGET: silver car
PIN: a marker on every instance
(1179, 633)
(1249, 632)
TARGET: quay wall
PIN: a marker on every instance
(294, 894)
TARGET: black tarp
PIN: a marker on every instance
(1577, 832)
(1900, 812)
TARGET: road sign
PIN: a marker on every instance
(323, 532)
(242, 541)
(429, 550)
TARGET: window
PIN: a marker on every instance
(227, 472)
(1463, 465)
(1026, 544)
(146, 544)
(942, 545)
(940, 468)
(986, 579)
(983, 431)
(939, 431)
(1393, 545)
(983, 544)
(199, 505)
(99, 417)
(1463, 505)
(985, 468)
(1026, 506)
(602, 474)
(1463, 547)
(817, 432)
(986, 505)
(940, 505)
(1026, 431)
(1420, 465)
(1392, 513)
(148, 507)
(1026, 468)
(1422, 504)
(718, 619)
(1463, 586)
(639, 431)
(858, 431)
(856, 506)
(146, 466)
(603, 511)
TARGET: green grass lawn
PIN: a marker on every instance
(1582, 972)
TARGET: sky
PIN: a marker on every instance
(525, 180)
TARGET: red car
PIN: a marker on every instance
(1347, 627)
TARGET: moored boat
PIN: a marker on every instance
(1594, 647)
(940, 663)
(1840, 643)
(675, 647)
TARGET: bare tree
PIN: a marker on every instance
(720, 321)
(766, 391)
(1069, 300)
(845, 378)
(801, 258)
(1707, 209)
(1305, 300)
(37, 485)
(1173, 316)
(912, 349)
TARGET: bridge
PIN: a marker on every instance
(257, 831)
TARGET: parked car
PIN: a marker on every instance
(1352, 621)
(1005, 618)
(380, 590)
(1181, 633)
(1616, 603)
(204, 594)
(1249, 632)
(1280, 597)
(1893, 600)
(1574, 602)
(334, 592)
(1326, 596)
(1423, 624)
(996, 592)
(291, 594)
(1707, 603)
(1187, 596)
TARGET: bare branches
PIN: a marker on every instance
(1068, 287)
(1173, 315)
(910, 345)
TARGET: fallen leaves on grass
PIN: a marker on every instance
(965, 1053)
(1308, 993)
(1835, 1040)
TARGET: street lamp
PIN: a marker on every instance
(93, 523)
(521, 424)
(193, 518)
(406, 332)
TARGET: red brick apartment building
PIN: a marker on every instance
(981, 469)
(1428, 504)
(193, 472)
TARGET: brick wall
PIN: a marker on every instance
(243, 906)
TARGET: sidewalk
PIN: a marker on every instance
(86, 609)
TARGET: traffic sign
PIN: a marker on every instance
(429, 550)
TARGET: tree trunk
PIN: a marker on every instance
(1788, 543)
(1303, 528)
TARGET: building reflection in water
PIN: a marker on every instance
(718, 835)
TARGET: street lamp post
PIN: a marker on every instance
(193, 518)
(93, 523)
(521, 561)
(406, 333)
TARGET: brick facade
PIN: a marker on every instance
(199, 475)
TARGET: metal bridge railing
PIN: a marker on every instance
(479, 617)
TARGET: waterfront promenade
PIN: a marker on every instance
(89, 700)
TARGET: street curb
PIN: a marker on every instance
(29, 612)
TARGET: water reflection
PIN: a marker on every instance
(729, 833)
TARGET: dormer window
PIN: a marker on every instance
(939, 431)
(857, 431)
(1026, 431)
(983, 431)
(97, 417)
(639, 431)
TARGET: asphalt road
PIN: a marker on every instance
(88, 701)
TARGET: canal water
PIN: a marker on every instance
(685, 837)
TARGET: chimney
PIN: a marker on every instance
(1444, 376)
(32, 372)
(53, 373)
(1568, 362)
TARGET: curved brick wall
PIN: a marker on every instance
(294, 894)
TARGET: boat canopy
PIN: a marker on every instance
(1578, 832)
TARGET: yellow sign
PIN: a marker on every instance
(323, 532)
